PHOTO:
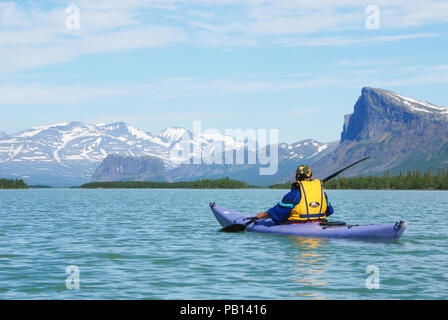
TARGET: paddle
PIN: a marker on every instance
(239, 227)
(342, 170)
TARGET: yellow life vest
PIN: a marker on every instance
(312, 205)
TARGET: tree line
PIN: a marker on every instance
(412, 180)
(224, 183)
(12, 184)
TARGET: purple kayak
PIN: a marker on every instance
(391, 231)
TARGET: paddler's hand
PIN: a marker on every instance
(262, 215)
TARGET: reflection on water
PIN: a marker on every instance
(310, 267)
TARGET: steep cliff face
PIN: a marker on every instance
(120, 168)
(378, 112)
(397, 132)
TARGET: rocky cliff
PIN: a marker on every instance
(397, 132)
(125, 168)
(119, 168)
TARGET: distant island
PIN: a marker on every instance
(413, 180)
(224, 183)
(12, 184)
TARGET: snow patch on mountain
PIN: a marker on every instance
(416, 105)
(172, 134)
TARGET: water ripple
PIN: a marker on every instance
(164, 244)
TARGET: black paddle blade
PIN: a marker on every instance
(234, 228)
(238, 227)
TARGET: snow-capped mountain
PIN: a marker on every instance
(69, 153)
(397, 133)
(413, 105)
(66, 143)
(69, 142)
(303, 150)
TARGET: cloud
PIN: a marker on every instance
(54, 95)
(341, 41)
(33, 35)
(163, 89)
(181, 88)
(425, 79)
(414, 13)
(264, 22)
(26, 55)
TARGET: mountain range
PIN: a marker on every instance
(395, 131)
(69, 153)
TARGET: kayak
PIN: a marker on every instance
(391, 231)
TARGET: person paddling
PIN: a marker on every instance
(306, 201)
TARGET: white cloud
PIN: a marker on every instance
(414, 13)
(53, 95)
(10, 16)
(23, 56)
(356, 75)
(180, 88)
(338, 41)
(35, 94)
(32, 35)
(425, 79)
(296, 18)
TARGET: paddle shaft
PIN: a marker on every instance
(342, 170)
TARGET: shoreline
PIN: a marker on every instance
(217, 188)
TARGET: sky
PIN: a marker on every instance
(296, 66)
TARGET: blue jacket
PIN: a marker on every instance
(282, 210)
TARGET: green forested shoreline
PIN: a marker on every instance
(224, 183)
(12, 184)
(412, 180)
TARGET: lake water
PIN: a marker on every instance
(165, 244)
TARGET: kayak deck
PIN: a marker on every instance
(391, 231)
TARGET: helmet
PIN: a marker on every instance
(303, 172)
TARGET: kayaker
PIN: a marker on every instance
(306, 201)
